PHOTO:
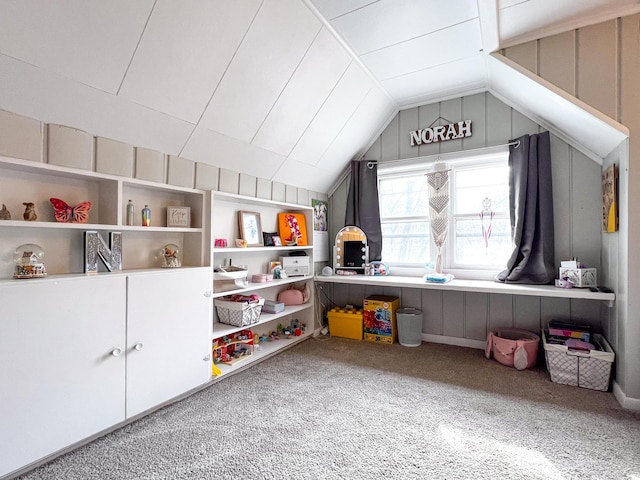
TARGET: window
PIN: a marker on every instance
(479, 236)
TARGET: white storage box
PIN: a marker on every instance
(580, 277)
(579, 368)
(238, 314)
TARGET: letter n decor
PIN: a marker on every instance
(95, 247)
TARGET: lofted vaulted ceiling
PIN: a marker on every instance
(286, 90)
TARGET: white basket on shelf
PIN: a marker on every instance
(238, 314)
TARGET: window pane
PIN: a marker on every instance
(406, 243)
(403, 197)
(470, 246)
(473, 185)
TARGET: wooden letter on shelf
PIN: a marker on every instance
(95, 246)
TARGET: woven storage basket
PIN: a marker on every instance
(587, 369)
(238, 314)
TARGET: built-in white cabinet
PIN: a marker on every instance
(83, 353)
(257, 259)
(62, 364)
(168, 328)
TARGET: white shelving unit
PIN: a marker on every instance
(25, 181)
(224, 221)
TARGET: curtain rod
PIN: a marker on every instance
(371, 163)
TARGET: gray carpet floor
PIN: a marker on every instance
(343, 409)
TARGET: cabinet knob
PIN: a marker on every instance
(138, 346)
(208, 293)
(116, 352)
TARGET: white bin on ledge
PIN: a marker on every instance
(409, 327)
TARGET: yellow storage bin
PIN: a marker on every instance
(345, 322)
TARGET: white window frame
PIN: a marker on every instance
(420, 167)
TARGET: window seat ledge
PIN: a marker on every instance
(461, 285)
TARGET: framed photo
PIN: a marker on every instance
(610, 199)
(292, 228)
(250, 227)
(276, 241)
(179, 217)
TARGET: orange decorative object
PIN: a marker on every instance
(292, 228)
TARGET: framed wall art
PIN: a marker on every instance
(610, 199)
(179, 217)
(250, 227)
(292, 228)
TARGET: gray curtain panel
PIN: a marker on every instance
(363, 208)
(531, 212)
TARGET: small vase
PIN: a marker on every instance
(146, 216)
(130, 213)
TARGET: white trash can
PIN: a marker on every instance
(409, 327)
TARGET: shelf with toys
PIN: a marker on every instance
(264, 267)
(269, 342)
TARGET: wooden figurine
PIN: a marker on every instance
(4, 213)
(29, 212)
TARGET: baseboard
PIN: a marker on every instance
(627, 403)
(458, 342)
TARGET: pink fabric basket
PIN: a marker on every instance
(513, 347)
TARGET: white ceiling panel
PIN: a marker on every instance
(325, 127)
(319, 72)
(444, 81)
(307, 176)
(331, 9)
(372, 114)
(88, 41)
(32, 92)
(216, 149)
(376, 26)
(444, 46)
(269, 54)
(183, 54)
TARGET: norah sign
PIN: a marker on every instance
(441, 133)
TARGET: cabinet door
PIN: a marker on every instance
(59, 382)
(168, 335)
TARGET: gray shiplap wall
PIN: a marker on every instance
(466, 318)
(600, 65)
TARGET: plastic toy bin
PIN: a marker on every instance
(579, 368)
(345, 323)
(409, 327)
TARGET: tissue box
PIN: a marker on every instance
(580, 277)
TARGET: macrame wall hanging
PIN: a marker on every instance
(439, 209)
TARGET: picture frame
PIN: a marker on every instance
(293, 229)
(179, 217)
(277, 242)
(250, 227)
(610, 219)
(267, 237)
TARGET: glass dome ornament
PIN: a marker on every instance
(28, 259)
(171, 256)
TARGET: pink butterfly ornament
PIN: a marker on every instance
(65, 213)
